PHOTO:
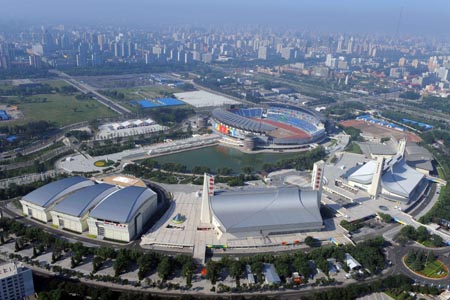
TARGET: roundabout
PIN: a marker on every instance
(432, 268)
(103, 163)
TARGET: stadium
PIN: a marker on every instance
(277, 126)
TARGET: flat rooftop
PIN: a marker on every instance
(204, 99)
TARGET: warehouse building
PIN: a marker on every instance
(41, 201)
(122, 215)
(72, 212)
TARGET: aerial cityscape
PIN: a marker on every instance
(231, 150)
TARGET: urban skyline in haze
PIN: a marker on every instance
(352, 16)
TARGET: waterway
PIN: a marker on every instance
(220, 156)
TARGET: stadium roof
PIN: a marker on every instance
(401, 179)
(267, 209)
(241, 122)
(398, 178)
(82, 200)
(48, 193)
(365, 173)
(122, 205)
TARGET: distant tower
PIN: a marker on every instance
(208, 191)
(350, 46)
(317, 177)
(340, 44)
(374, 188)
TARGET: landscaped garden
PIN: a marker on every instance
(425, 264)
(104, 163)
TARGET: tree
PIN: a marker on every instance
(120, 264)
(236, 271)
(310, 241)
(421, 234)
(409, 232)
(247, 170)
(212, 271)
(436, 240)
(387, 218)
(97, 263)
(257, 268)
(164, 268)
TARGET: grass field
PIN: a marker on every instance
(62, 109)
(435, 270)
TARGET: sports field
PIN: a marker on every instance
(63, 109)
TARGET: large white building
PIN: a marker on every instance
(16, 282)
(41, 201)
(122, 215)
(72, 212)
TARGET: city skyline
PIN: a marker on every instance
(384, 17)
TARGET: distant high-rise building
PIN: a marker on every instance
(350, 46)
(118, 50)
(328, 60)
(16, 282)
(340, 44)
(97, 59)
(262, 52)
(415, 63)
(287, 53)
(207, 58)
(401, 62)
(5, 62)
(35, 61)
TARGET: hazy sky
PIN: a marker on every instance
(421, 16)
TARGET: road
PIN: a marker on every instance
(396, 254)
(85, 88)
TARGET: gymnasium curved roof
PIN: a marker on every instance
(122, 205)
(82, 200)
(48, 193)
(266, 209)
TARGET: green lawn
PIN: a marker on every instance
(55, 83)
(354, 148)
(433, 270)
(63, 110)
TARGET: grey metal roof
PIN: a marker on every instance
(78, 203)
(377, 148)
(401, 179)
(122, 205)
(268, 209)
(238, 121)
(419, 161)
(364, 174)
(46, 194)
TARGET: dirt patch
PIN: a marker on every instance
(380, 131)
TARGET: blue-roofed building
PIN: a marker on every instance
(3, 115)
(41, 201)
(270, 274)
(122, 215)
(72, 212)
